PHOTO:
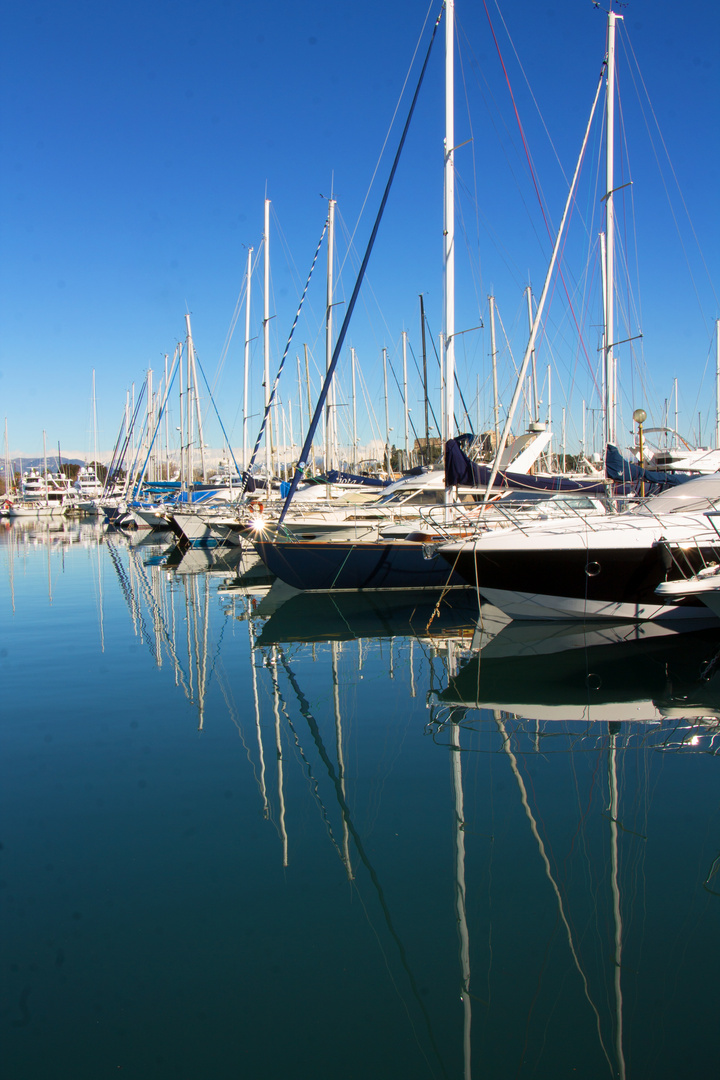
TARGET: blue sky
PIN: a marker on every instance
(139, 141)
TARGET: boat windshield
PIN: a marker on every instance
(425, 496)
(694, 496)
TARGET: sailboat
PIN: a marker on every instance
(409, 561)
(626, 566)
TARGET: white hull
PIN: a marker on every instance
(519, 605)
(193, 528)
(33, 510)
(149, 518)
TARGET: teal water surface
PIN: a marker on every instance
(246, 835)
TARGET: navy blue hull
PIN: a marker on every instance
(336, 564)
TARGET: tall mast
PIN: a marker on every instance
(94, 429)
(266, 339)
(300, 399)
(717, 384)
(8, 474)
(150, 421)
(196, 399)
(610, 373)
(405, 399)
(167, 425)
(45, 481)
(605, 395)
(535, 399)
(354, 411)
(246, 368)
(493, 355)
(425, 382)
(549, 413)
(387, 415)
(309, 406)
(189, 410)
(183, 462)
(330, 400)
(449, 221)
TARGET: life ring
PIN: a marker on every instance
(7, 504)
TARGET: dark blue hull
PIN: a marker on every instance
(321, 566)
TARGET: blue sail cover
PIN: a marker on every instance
(629, 473)
(460, 470)
(334, 476)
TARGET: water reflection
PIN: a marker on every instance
(372, 835)
(632, 672)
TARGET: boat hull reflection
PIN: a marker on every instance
(308, 617)
(552, 672)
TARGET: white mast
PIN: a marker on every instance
(405, 400)
(282, 448)
(246, 369)
(603, 366)
(549, 411)
(309, 406)
(301, 436)
(493, 355)
(717, 384)
(8, 472)
(535, 399)
(201, 437)
(183, 462)
(388, 458)
(192, 376)
(190, 421)
(45, 481)
(167, 424)
(443, 398)
(610, 374)
(449, 221)
(266, 340)
(330, 462)
(354, 412)
(150, 422)
(94, 432)
(584, 448)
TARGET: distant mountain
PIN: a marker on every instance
(21, 464)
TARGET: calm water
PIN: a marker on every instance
(247, 838)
